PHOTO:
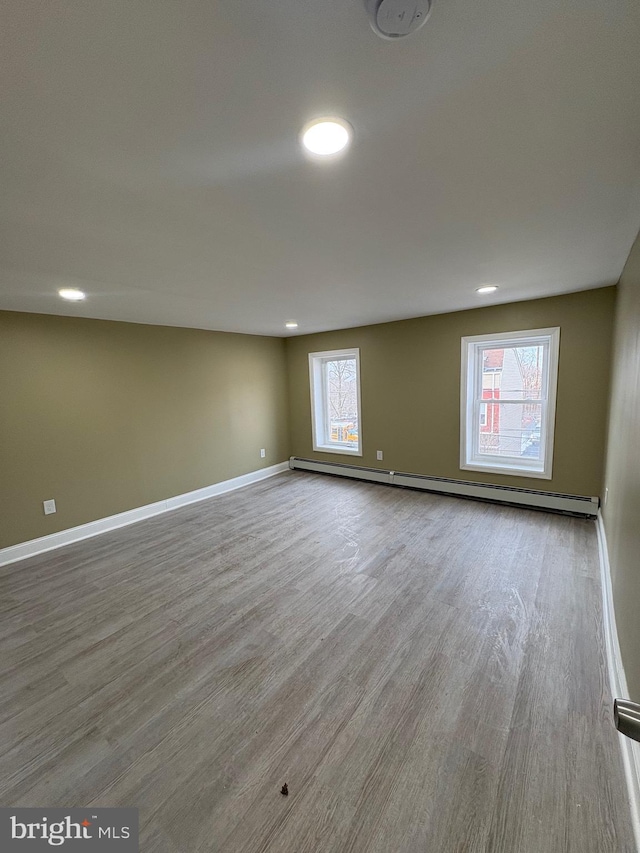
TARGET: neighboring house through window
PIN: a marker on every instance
(517, 372)
(335, 401)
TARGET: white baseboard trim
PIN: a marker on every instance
(93, 528)
(618, 680)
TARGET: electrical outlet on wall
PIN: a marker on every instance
(263, 453)
(379, 455)
(49, 507)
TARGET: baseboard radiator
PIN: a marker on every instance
(572, 504)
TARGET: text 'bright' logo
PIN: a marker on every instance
(55, 833)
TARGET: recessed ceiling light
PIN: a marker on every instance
(326, 136)
(487, 288)
(72, 294)
(291, 324)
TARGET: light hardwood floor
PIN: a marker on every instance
(426, 674)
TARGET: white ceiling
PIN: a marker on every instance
(150, 157)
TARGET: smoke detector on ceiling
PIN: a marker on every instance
(394, 19)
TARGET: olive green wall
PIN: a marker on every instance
(410, 378)
(621, 513)
(105, 416)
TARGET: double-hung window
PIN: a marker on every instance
(508, 400)
(334, 379)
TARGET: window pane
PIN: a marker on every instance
(513, 373)
(508, 401)
(342, 401)
(334, 379)
(511, 430)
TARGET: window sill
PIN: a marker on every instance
(512, 470)
(346, 451)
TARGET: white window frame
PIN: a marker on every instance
(471, 398)
(319, 409)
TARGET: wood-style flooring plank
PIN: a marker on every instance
(426, 674)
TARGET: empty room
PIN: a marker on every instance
(320, 426)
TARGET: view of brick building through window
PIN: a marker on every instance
(342, 400)
(512, 376)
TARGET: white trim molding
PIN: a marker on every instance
(23, 550)
(618, 681)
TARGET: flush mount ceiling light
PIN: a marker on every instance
(487, 288)
(291, 324)
(326, 137)
(71, 293)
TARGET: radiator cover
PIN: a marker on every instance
(551, 501)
